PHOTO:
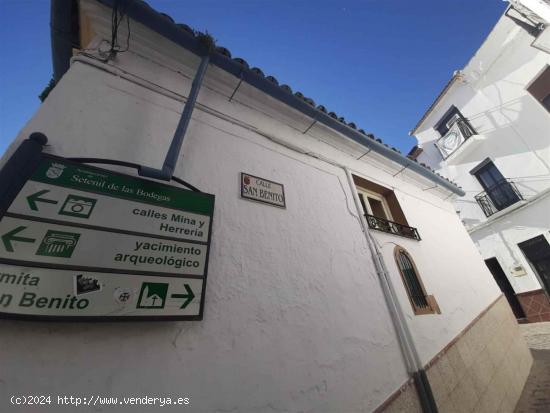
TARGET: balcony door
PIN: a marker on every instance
(374, 204)
(498, 189)
(505, 286)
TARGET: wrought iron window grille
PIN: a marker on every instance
(421, 302)
(412, 283)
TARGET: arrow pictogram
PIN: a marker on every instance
(189, 296)
(9, 237)
(34, 198)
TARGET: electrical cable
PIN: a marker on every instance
(115, 24)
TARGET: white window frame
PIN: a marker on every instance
(369, 194)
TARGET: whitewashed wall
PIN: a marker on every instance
(513, 130)
(500, 240)
(294, 318)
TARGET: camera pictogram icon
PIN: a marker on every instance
(78, 206)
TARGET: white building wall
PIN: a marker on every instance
(294, 317)
(513, 130)
(286, 326)
(500, 240)
(451, 269)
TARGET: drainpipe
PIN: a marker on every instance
(61, 32)
(169, 165)
(404, 337)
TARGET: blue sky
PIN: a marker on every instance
(378, 63)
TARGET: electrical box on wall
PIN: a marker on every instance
(518, 271)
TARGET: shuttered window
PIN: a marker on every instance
(420, 301)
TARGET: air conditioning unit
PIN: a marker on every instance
(518, 271)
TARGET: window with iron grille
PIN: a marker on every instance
(421, 302)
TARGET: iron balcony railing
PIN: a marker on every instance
(458, 133)
(391, 227)
(499, 196)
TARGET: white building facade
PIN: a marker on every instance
(489, 130)
(334, 303)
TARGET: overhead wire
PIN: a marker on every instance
(115, 25)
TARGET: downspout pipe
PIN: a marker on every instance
(61, 36)
(172, 155)
(404, 336)
(61, 40)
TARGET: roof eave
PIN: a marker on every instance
(161, 24)
(456, 76)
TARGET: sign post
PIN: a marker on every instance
(84, 243)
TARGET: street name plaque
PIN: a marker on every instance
(262, 190)
(80, 242)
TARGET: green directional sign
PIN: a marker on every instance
(86, 178)
(29, 291)
(98, 244)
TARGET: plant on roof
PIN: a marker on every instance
(206, 40)
(42, 96)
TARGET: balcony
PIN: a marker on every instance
(459, 132)
(391, 227)
(501, 195)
